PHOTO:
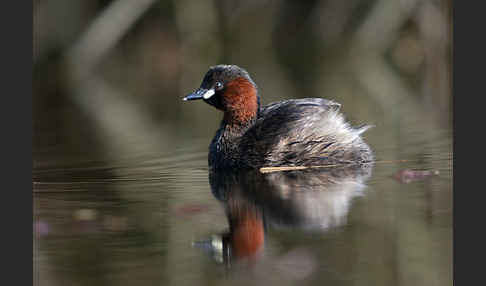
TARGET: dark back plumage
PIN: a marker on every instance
(296, 132)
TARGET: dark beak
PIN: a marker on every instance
(198, 94)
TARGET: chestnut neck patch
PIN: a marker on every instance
(240, 102)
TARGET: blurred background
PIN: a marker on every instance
(119, 160)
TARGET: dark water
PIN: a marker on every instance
(159, 218)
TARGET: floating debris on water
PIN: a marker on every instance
(407, 176)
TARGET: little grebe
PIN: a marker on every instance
(295, 132)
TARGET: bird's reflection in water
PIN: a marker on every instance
(312, 199)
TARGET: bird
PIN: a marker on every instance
(302, 132)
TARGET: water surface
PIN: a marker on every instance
(160, 218)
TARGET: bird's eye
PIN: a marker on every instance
(218, 85)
